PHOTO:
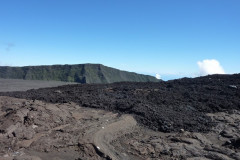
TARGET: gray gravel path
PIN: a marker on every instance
(8, 85)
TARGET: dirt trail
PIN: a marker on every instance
(59, 131)
(107, 134)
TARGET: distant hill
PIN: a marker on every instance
(81, 73)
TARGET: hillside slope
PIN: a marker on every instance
(81, 73)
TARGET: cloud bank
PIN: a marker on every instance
(210, 66)
(158, 76)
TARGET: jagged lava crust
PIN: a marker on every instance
(163, 106)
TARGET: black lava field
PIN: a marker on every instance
(163, 106)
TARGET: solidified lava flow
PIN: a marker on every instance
(164, 106)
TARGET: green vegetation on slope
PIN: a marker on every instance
(81, 73)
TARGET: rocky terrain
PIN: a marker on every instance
(188, 118)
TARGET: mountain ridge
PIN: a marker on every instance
(81, 73)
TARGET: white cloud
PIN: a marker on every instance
(158, 76)
(210, 66)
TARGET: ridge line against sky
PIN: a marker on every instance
(169, 38)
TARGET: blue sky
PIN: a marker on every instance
(168, 37)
